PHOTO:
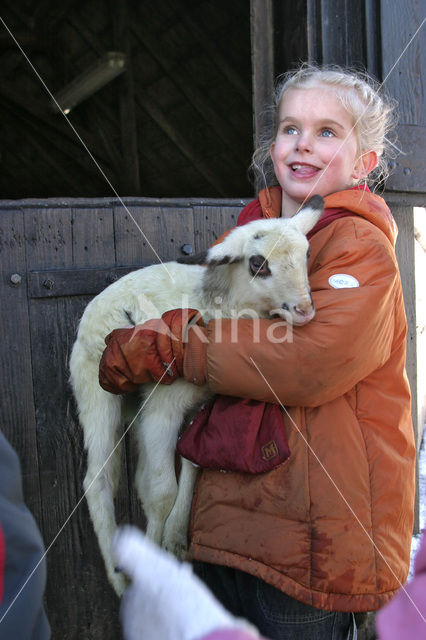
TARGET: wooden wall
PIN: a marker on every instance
(55, 255)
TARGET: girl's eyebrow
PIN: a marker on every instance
(321, 123)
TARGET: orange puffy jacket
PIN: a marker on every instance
(332, 526)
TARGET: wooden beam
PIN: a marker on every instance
(193, 154)
(212, 48)
(130, 175)
(38, 110)
(68, 144)
(51, 167)
(193, 94)
(372, 37)
(314, 31)
(86, 36)
(262, 47)
(26, 40)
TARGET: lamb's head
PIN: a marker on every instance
(266, 267)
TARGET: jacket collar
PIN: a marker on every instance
(358, 200)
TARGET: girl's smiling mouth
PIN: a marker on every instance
(303, 170)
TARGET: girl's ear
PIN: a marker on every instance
(271, 151)
(365, 165)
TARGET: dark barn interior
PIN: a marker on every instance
(177, 123)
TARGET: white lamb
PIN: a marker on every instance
(259, 270)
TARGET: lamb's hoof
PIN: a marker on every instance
(176, 545)
(119, 582)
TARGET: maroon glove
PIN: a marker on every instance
(149, 352)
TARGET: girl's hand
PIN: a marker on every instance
(149, 352)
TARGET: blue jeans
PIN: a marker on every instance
(276, 615)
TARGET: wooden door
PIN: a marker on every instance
(55, 255)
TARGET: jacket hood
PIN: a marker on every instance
(358, 200)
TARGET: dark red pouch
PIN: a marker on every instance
(235, 434)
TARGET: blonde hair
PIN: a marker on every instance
(373, 113)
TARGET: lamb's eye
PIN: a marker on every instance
(259, 266)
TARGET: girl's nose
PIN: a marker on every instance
(304, 142)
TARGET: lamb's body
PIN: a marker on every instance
(227, 285)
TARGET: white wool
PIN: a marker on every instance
(165, 600)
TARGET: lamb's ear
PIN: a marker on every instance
(230, 250)
(307, 217)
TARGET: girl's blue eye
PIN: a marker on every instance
(327, 133)
(290, 130)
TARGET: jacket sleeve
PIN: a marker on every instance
(350, 337)
(22, 564)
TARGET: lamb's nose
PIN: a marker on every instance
(303, 315)
(300, 310)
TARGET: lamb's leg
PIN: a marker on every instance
(100, 417)
(155, 476)
(175, 537)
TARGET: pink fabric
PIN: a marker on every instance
(405, 615)
(231, 634)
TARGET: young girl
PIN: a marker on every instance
(296, 550)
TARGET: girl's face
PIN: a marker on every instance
(315, 149)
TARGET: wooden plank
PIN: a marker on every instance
(53, 323)
(408, 170)
(129, 173)
(403, 55)
(261, 12)
(48, 283)
(17, 410)
(405, 254)
(336, 32)
(93, 242)
(210, 222)
(314, 31)
(372, 37)
(93, 245)
(107, 203)
(151, 234)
